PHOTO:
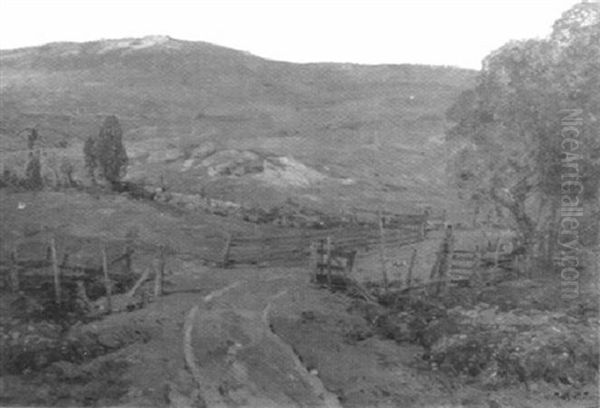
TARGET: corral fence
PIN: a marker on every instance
(74, 264)
(292, 246)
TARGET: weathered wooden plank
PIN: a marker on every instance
(55, 272)
(107, 283)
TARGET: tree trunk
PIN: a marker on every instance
(525, 225)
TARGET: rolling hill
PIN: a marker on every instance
(329, 135)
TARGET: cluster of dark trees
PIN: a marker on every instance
(527, 135)
(104, 155)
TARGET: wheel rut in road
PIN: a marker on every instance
(237, 360)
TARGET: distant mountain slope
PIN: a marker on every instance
(182, 93)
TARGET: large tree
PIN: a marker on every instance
(33, 170)
(508, 129)
(105, 155)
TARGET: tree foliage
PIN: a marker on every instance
(33, 172)
(105, 155)
(508, 128)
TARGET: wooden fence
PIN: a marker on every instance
(293, 246)
(35, 264)
(390, 219)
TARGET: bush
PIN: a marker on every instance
(503, 348)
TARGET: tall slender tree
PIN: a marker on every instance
(33, 170)
(105, 155)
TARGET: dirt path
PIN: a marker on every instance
(234, 338)
(237, 360)
(247, 345)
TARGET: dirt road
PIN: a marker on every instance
(237, 360)
(266, 338)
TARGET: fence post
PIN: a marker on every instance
(497, 252)
(158, 281)
(435, 270)
(422, 229)
(107, 285)
(440, 268)
(449, 257)
(55, 271)
(127, 259)
(82, 294)
(226, 250)
(321, 256)
(313, 262)
(329, 282)
(413, 258)
(382, 251)
(14, 272)
(475, 273)
(258, 237)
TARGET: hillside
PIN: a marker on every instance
(372, 135)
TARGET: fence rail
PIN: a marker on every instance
(294, 246)
(31, 265)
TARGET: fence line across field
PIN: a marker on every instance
(260, 248)
(295, 245)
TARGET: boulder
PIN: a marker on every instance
(233, 162)
(203, 151)
(167, 155)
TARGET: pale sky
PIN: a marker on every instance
(439, 32)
